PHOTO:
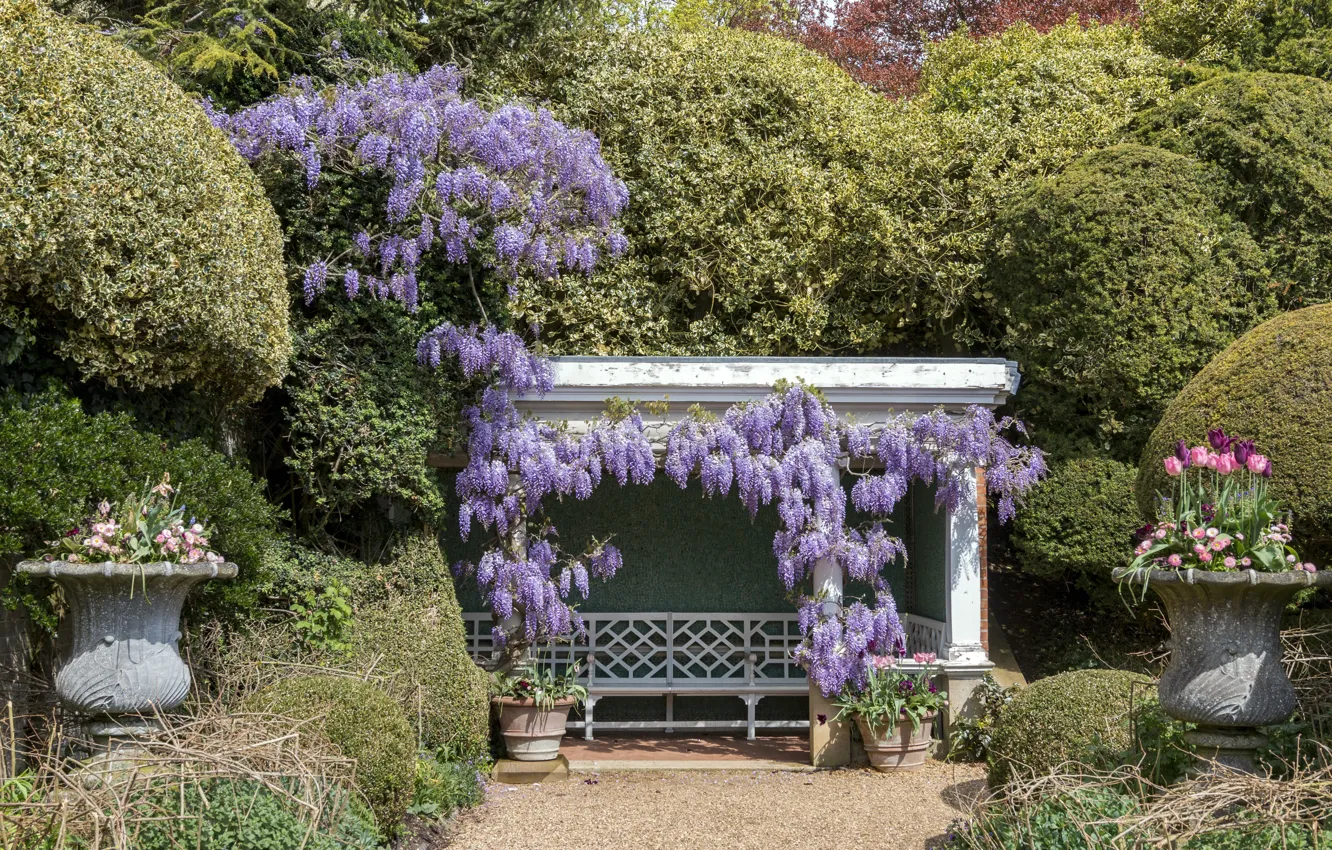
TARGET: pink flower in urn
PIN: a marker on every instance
(1310, 568)
(1245, 562)
(924, 657)
(1198, 548)
(1174, 560)
(1159, 534)
(1230, 562)
(1205, 557)
(1198, 456)
(1198, 533)
(1173, 466)
(1220, 543)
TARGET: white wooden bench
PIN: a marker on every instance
(668, 654)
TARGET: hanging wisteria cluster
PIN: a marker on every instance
(512, 187)
(785, 449)
(526, 573)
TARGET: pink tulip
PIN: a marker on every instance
(1212, 458)
(1173, 466)
(1198, 456)
(1256, 463)
(924, 657)
(1226, 464)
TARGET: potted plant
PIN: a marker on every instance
(894, 710)
(1220, 558)
(533, 704)
(125, 573)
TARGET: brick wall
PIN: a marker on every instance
(984, 559)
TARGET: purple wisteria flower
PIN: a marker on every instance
(510, 188)
(782, 450)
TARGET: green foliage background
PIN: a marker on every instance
(1118, 279)
(146, 269)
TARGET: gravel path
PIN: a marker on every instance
(829, 810)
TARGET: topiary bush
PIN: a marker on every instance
(240, 814)
(1079, 524)
(1001, 112)
(1073, 716)
(1267, 134)
(365, 724)
(754, 169)
(131, 233)
(421, 647)
(56, 463)
(1119, 278)
(1273, 385)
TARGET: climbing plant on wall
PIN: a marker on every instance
(785, 448)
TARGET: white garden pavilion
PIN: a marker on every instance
(700, 652)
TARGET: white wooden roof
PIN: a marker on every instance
(866, 388)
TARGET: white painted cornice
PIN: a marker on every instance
(866, 388)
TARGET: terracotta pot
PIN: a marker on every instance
(532, 733)
(1225, 670)
(897, 747)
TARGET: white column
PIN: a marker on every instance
(962, 633)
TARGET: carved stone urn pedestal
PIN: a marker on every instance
(1225, 672)
(120, 665)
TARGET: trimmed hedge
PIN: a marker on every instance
(1273, 385)
(1269, 135)
(417, 635)
(1119, 279)
(130, 230)
(365, 724)
(1079, 523)
(756, 169)
(1068, 717)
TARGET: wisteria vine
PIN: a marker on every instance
(786, 448)
(512, 187)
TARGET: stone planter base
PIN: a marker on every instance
(1225, 672)
(531, 733)
(897, 748)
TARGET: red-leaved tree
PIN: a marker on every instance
(882, 43)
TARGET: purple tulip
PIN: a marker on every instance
(1182, 453)
(1218, 439)
(1243, 448)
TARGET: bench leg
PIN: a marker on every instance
(670, 712)
(751, 703)
(587, 718)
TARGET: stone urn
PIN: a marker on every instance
(119, 659)
(532, 733)
(1225, 672)
(897, 747)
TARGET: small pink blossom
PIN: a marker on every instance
(1213, 532)
(1198, 548)
(1174, 560)
(1230, 562)
(924, 657)
(1205, 557)
(1220, 543)
(1159, 534)
(1245, 562)
(1198, 533)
